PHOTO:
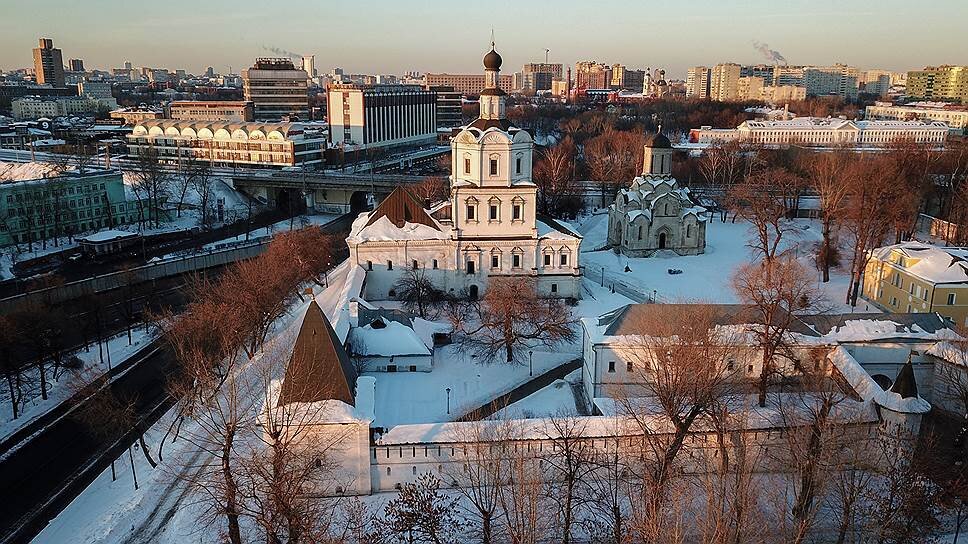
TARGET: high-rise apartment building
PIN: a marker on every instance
(76, 65)
(749, 88)
(592, 75)
(764, 71)
(948, 83)
(788, 75)
(539, 75)
(724, 81)
(49, 64)
(277, 89)
(697, 82)
(309, 65)
(837, 80)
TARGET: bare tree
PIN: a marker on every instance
(417, 291)
(511, 316)
(421, 513)
(826, 176)
(431, 189)
(613, 158)
(522, 499)
(479, 478)
(773, 291)
(568, 464)
(681, 358)
(151, 185)
(761, 200)
(554, 174)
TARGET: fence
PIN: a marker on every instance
(151, 271)
(937, 228)
(624, 286)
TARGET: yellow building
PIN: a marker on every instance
(939, 83)
(913, 277)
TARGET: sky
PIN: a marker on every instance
(384, 36)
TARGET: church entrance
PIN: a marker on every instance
(662, 240)
(472, 292)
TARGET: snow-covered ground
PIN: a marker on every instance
(704, 277)
(68, 382)
(557, 399)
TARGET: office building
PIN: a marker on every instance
(942, 83)
(956, 117)
(68, 204)
(239, 111)
(277, 89)
(466, 84)
(35, 107)
(724, 82)
(228, 144)
(76, 65)
(95, 89)
(309, 65)
(449, 107)
(698, 79)
(49, 64)
(381, 116)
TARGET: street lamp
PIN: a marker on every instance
(448, 400)
(530, 363)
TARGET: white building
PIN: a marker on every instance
(381, 116)
(37, 107)
(488, 228)
(826, 132)
(654, 214)
(956, 117)
(227, 144)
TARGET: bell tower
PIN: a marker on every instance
(657, 156)
(493, 98)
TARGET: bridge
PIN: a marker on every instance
(324, 192)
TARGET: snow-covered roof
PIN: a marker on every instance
(931, 263)
(555, 229)
(832, 123)
(386, 339)
(954, 353)
(383, 229)
(865, 386)
(107, 236)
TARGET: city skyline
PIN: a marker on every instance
(394, 37)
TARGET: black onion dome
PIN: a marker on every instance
(492, 60)
(658, 141)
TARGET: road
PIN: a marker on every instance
(44, 473)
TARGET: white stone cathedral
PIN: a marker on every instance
(654, 213)
(489, 226)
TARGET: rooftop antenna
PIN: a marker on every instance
(546, 55)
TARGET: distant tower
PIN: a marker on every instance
(49, 64)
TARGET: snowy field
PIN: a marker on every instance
(706, 277)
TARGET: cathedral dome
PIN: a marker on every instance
(492, 60)
(658, 141)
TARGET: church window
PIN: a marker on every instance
(435, 264)
(389, 265)
(688, 231)
(495, 261)
(666, 209)
(415, 265)
(516, 212)
(611, 366)
(493, 167)
(470, 267)
(554, 287)
(470, 212)
(369, 265)
(640, 232)
(467, 166)
(628, 366)
(951, 299)
(547, 259)
(492, 212)
(517, 166)
(564, 259)
(516, 261)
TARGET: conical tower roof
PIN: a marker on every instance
(319, 368)
(906, 385)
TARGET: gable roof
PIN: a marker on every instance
(906, 384)
(400, 207)
(634, 319)
(904, 323)
(319, 368)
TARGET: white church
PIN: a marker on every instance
(488, 227)
(654, 214)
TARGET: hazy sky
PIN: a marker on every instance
(383, 36)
